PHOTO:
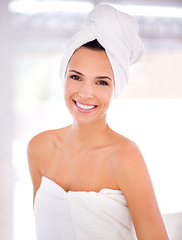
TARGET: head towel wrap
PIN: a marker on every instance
(117, 32)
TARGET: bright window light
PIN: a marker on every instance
(150, 11)
(34, 7)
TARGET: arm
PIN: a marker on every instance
(35, 154)
(134, 181)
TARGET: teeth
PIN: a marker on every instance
(84, 106)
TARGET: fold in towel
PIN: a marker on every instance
(117, 32)
(81, 215)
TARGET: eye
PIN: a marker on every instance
(104, 83)
(75, 77)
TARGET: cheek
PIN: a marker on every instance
(67, 92)
(108, 95)
(69, 88)
(105, 97)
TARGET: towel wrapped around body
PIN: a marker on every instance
(81, 215)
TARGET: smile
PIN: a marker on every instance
(84, 106)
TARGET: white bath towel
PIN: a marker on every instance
(117, 32)
(81, 215)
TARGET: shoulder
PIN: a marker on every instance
(40, 151)
(130, 171)
(38, 147)
(44, 142)
(40, 141)
(125, 150)
(128, 161)
(42, 147)
(132, 177)
(37, 150)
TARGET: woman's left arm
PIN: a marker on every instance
(134, 181)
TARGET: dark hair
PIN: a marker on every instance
(94, 45)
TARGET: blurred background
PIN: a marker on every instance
(33, 35)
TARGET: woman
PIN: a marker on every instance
(89, 181)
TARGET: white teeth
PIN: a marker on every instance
(84, 106)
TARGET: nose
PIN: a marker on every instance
(86, 90)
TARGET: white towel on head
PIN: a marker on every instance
(117, 32)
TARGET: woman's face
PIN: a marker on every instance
(89, 85)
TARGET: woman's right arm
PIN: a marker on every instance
(35, 154)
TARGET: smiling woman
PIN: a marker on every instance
(88, 180)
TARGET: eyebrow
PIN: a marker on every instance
(98, 77)
(76, 72)
(103, 77)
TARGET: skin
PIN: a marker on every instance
(88, 155)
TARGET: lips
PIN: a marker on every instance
(84, 106)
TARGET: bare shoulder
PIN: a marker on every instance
(38, 147)
(45, 141)
(125, 150)
(36, 152)
(39, 142)
(40, 151)
(128, 160)
(128, 152)
(132, 177)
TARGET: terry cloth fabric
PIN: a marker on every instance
(81, 215)
(117, 32)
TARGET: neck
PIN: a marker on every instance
(88, 135)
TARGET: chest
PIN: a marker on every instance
(86, 170)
